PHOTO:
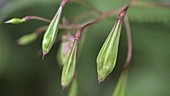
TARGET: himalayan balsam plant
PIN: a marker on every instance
(68, 50)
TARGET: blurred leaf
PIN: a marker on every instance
(149, 14)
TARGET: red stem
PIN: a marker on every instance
(27, 18)
(64, 2)
(129, 41)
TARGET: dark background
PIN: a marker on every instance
(23, 73)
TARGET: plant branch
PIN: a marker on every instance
(96, 20)
(40, 30)
(81, 26)
(81, 16)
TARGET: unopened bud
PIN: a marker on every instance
(51, 33)
(107, 56)
(15, 21)
(69, 66)
(64, 49)
(27, 39)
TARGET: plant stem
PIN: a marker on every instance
(64, 2)
(129, 41)
(28, 18)
(96, 20)
(40, 30)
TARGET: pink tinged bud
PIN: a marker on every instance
(64, 49)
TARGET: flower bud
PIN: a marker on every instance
(27, 39)
(64, 49)
(15, 21)
(51, 33)
(69, 66)
(107, 56)
(73, 90)
(120, 89)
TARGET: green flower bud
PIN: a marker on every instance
(73, 90)
(64, 49)
(15, 21)
(107, 56)
(51, 33)
(69, 66)
(120, 89)
(27, 39)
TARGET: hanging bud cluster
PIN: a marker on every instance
(67, 53)
(107, 56)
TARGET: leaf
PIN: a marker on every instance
(143, 14)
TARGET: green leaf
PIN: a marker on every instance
(149, 14)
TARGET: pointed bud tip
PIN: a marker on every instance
(15, 21)
(18, 42)
(100, 80)
(126, 8)
(63, 88)
(123, 12)
(7, 22)
(43, 55)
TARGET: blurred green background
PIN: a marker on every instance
(23, 73)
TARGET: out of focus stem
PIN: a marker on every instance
(129, 41)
